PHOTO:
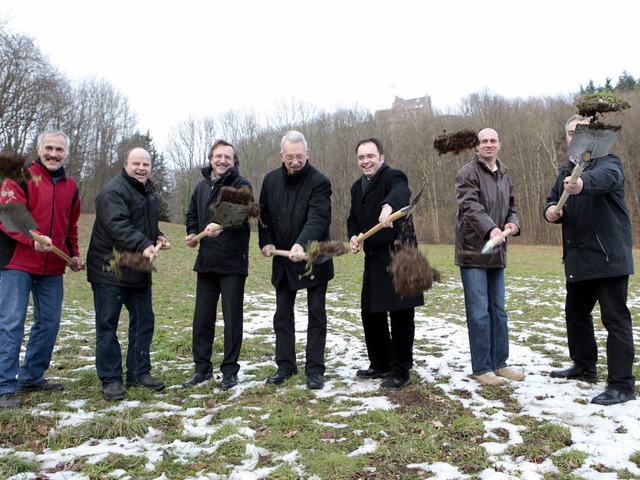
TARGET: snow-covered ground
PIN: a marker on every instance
(608, 435)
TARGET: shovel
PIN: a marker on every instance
(16, 218)
(589, 141)
(234, 206)
(403, 212)
(317, 252)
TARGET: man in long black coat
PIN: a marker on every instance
(295, 209)
(374, 196)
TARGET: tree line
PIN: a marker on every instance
(35, 95)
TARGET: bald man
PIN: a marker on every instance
(126, 221)
(486, 207)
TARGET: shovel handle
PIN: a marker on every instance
(201, 235)
(392, 218)
(286, 253)
(494, 241)
(577, 171)
(40, 239)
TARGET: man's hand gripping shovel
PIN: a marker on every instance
(403, 212)
(589, 141)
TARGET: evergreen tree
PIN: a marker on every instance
(626, 82)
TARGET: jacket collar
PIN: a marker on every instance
(143, 188)
(297, 176)
(60, 173)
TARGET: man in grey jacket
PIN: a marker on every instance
(597, 255)
(486, 207)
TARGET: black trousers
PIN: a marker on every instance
(209, 288)
(390, 350)
(284, 326)
(611, 294)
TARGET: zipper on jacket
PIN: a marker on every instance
(602, 248)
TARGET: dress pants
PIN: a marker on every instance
(285, 328)
(611, 294)
(390, 350)
(209, 288)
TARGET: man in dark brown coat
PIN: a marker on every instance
(379, 192)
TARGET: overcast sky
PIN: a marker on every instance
(181, 58)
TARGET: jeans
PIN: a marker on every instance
(209, 288)
(108, 301)
(284, 326)
(611, 294)
(486, 318)
(47, 293)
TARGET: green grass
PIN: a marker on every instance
(204, 431)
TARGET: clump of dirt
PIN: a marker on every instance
(456, 142)
(602, 101)
(332, 248)
(12, 166)
(411, 272)
(320, 252)
(133, 260)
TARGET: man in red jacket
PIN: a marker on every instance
(34, 269)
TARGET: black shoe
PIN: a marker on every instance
(371, 373)
(228, 381)
(613, 397)
(315, 381)
(43, 386)
(9, 400)
(395, 383)
(575, 373)
(147, 381)
(197, 379)
(279, 377)
(113, 392)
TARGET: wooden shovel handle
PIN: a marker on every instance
(201, 235)
(495, 240)
(40, 239)
(577, 171)
(392, 218)
(286, 253)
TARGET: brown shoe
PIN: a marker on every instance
(488, 378)
(509, 374)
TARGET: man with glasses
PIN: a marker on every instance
(295, 209)
(222, 266)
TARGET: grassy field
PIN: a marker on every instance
(443, 425)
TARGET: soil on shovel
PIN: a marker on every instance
(456, 142)
(133, 260)
(12, 166)
(603, 101)
(411, 272)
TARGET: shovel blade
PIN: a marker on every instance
(16, 218)
(597, 141)
(228, 214)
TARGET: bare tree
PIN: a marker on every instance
(187, 149)
(32, 92)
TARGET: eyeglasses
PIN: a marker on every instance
(298, 156)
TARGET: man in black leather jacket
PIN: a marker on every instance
(126, 221)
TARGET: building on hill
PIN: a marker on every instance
(402, 110)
